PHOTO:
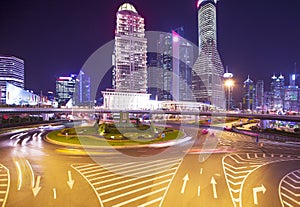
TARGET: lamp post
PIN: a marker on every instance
(229, 85)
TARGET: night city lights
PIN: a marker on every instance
(150, 103)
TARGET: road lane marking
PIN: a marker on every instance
(20, 175)
(134, 191)
(132, 179)
(289, 189)
(199, 191)
(129, 185)
(134, 184)
(16, 142)
(4, 172)
(185, 180)
(70, 181)
(139, 197)
(37, 187)
(201, 170)
(255, 191)
(150, 202)
(31, 172)
(214, 185)
(54, 193)
(132, 174)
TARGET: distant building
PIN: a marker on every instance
(277, 93)
(294, 79)
(82, 95)
(248, 95)
(259, 95)
(11, 71)
(291, 98)
(208, 70)
(65, 88)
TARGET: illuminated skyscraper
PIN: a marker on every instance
(129, 63)
(82, 95)
(11, 71)
(277, 93)
(208, 70)
(130, 51)
(175, 55)
(248, 95)
(65, 88)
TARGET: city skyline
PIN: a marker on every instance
(255, 40)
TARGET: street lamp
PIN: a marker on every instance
(229, 85)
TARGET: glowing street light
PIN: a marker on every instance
(229, 83)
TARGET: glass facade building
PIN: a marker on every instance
(65, 88)
(208, 70)
(248, 95)
(11, 71)
(82, 95)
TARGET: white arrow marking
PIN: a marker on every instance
(255, 191)
(214, 183)
(70, 182)
(54, 193)
(185, 179)
(37, 187)
(32, 174)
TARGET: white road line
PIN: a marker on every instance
(134, 174)
(199, 191)
(291, 192)
(236, 168)
(288, 204)
(201, 171)
(105, 171)
(20, 175)
(24, 141)
(150, 202)
(291, 185)
(4, 179)
(32, 174)
(290, 198)
(135, 184)
(90, 168)
(139, 197)
(236, 177)
(2, 192)
(134, 191)
(54, 193)
(133, 179)
(3, 185)
(81, 166)
(136, 165)
(3, 175)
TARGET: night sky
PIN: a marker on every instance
(257, 37)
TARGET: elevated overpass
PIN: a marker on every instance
(293, 118)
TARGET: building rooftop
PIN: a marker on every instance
(127, 7)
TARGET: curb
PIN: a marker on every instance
(156, 145)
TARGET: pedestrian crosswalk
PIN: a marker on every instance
(4, 184)
(139, 184)
(290, 189)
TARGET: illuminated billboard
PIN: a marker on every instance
(18, 96)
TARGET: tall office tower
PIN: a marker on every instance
(130, 51)
(175, 57)
(155, 79)
(295, 79)
(208, 70)
(259, 94)
(11, 71)
(291, 98)
(277, 93)
(65, 88)
(248, 95)
(82, 95)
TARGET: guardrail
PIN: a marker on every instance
(295, 118)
